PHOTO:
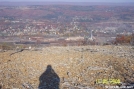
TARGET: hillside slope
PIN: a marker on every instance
(77, 67)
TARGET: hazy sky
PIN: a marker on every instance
(74, 0)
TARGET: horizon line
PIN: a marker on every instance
(72, 1)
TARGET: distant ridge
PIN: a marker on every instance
(9, 3)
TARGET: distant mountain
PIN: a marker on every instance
(9, 3)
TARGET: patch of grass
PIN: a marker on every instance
(7, 46)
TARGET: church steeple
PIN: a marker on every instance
(91, 35)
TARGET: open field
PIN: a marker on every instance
(78, 67)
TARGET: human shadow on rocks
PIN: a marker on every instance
(49, 79)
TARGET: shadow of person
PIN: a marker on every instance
(49, 79)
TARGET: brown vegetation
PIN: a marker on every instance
(123, 39)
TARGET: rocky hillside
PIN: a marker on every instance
(70, 67)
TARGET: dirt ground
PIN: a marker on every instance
(77, 67)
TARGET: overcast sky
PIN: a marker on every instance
(72, 0)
